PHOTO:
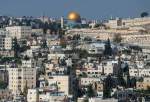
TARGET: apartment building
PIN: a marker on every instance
(54, 69)
(28, 63)
(139, 72)
(33, 95)
(96, 69)
(5, 94)
(118, 22)
(42, 95)
(87, 81)
(61, 81)
(5, 42)
(56, 56)
(21, 77)
(7, 53)
(19, 31)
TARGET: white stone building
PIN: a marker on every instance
(21, 77)
(87, 81)
(118, 22)
(5, 42)
(56, 56)
(61, 81)
(19, 31)
(33, 95)
(139, 72)
(28, 63)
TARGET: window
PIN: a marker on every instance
(19, 86)
(135, 71)
(19, 77)
(20, 70)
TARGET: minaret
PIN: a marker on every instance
(111, 17)
(62, 22)
(11, 21)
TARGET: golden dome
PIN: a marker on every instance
(74, 16)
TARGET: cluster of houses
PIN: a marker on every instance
(53, 67)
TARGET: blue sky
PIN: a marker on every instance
(93, 9)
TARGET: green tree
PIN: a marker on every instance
(108, 49)
(90, 91)
(133, 82)
(120, 73)
(97, 25)
(100, 25)
(77, 26)
(3, 84)
(44, 44)
(144, 14)
(83, 53)
(16, 47)
(148, 89)
(25, 90)
(117, 38)
(26, 58)
(6, 59)
(108, 84)
(63, 42)
(45, 27)
(24, 48)
(18, 60)
(24, 42)
(136, 48)
(83, 75)
(87, 39)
